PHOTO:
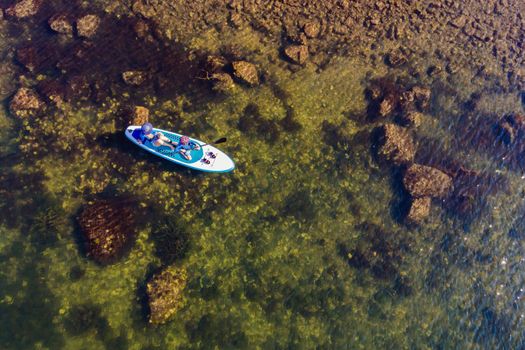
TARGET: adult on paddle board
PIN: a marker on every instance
(157, 139)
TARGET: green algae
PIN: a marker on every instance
(264, 269)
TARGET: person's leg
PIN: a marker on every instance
(167, 140)
(185, 154)
(160, 142)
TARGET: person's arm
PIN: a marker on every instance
(143, 138)
(137, 135)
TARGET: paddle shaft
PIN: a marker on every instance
(221, 140)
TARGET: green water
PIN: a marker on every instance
(268, 264)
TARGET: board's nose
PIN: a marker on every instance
(228, 164)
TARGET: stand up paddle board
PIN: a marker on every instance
(207, 158)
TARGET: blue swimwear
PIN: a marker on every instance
(187, 147)
(140, 136)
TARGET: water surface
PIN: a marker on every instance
(300, 247)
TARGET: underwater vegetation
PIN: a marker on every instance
(299, 205)
(217, 327)
(326, 235)
(26, 299)
(48, 226)
(85, 318)
(171, 241)
(254, 124)
(382, 254)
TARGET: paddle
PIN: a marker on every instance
(221, 140)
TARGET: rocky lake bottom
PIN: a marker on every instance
(377, 200)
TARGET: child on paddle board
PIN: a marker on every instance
(157, 139)
(186, 146)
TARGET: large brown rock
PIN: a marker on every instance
(25, 102)
(164, 292)
(419, 210)
(108, 228)
(60, 23)
(297, 53)
(24, 8)
(424, 181)
(246, 72)
(397, 144)
(87, 26)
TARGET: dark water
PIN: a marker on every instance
(302, 246)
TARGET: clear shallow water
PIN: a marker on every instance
(268, 262)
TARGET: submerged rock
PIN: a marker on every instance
(297, 53)
(425, 181)
(24, 8)
(164, 292)
(510, 127)
(108, 228)
(24, 102)
(142, 29)
(386, 106)
(422, 96)
(61, 24)
(222, 82)
(411, 118)
(134, 77)
(28, 57)
(397, 144)
(246, 72)
(419, 210)
(507, 131)
(373, 92)
(87, 26)
(140, 115)
(78, 87)
(215, 63)
(407, 100)
(396, 59)
(434, 70)
(312, 29)
(53, 91)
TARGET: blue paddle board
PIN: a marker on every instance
(207, 158)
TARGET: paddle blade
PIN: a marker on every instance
(221, 140)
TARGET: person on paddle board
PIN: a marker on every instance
(157, 139)
(186, 146)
